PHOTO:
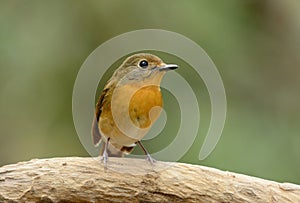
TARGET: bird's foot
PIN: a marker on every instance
(104, 159)
(150, 159)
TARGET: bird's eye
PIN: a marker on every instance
(143, 64)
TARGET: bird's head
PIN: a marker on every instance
(143, 67)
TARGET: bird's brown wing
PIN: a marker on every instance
(95, 129)
(95, 132)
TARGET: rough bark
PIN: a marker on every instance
(76, 179)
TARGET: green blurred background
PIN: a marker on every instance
(254, 43)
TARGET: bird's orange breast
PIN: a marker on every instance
(134, 117)
(143, 105)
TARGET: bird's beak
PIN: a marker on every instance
(168, 67)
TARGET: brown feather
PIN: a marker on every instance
(95, 128)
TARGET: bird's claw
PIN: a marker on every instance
(104, 159)
(150, 159)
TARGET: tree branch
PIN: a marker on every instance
(75, 179)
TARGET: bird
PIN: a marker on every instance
(128, 106)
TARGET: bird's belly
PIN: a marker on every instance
(129, 116)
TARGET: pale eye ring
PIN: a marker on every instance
(143, 64)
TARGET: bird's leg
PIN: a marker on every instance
(105, 154)
(149, 158)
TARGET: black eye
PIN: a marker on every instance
(143, 64)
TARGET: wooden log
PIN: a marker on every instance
(74, 179)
